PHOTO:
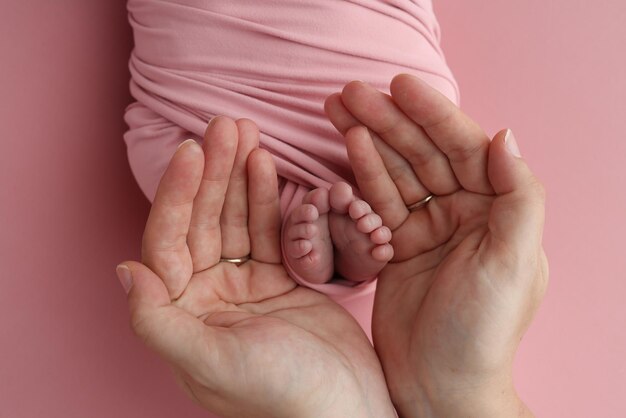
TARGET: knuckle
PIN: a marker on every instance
(422, 156)
(535, 191)
(540, 189)
(545, 269)
(460, 153)
(139, 326)
(145, 328)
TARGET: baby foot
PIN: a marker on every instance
(361, 242)
(333, 231)
(308, 246)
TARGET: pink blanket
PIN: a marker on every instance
(273, 62)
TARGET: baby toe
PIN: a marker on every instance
(302, 231)
(318, 198)
(340, 197)
(298, 248)
(381, 235)
(382, 252)
(369, 223)
(304, 213)
(358, 209)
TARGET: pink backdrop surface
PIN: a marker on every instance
(70, 210)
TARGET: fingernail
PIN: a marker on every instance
(511, 143)
(187, 141)
(212, 120)
(125, 276)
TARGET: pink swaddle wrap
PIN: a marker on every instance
(274, 62)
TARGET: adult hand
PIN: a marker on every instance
(469, 270)
(244, 341)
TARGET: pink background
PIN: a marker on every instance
(70, 210)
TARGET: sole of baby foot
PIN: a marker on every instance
(308, 245)
(360, 241)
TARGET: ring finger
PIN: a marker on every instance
(204, 238)
(234, 220)
(399, 169)
(378, 112)
(377, 187)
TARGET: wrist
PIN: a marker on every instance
(496, 398)
(349, 409)
(348, 400)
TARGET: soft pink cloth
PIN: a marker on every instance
(273, 62)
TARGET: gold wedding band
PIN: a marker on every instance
(235, 261)
(420, 204)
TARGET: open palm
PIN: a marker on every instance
(468, 271)
(244, 340)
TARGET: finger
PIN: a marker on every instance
(517, 216)
(400, 171)
(338, 114)
(164, 247)
(173, 333)
(264, 221)
(463, 142)
(220, 145)
(234, 221)
(379, 113)
(376, 185)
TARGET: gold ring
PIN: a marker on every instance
(420, 204)
(236, 261)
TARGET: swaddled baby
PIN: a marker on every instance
(275, 62)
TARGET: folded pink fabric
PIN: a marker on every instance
(273, 62)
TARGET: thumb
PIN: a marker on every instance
(517, 215)
(175, 334)
(144, 288)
